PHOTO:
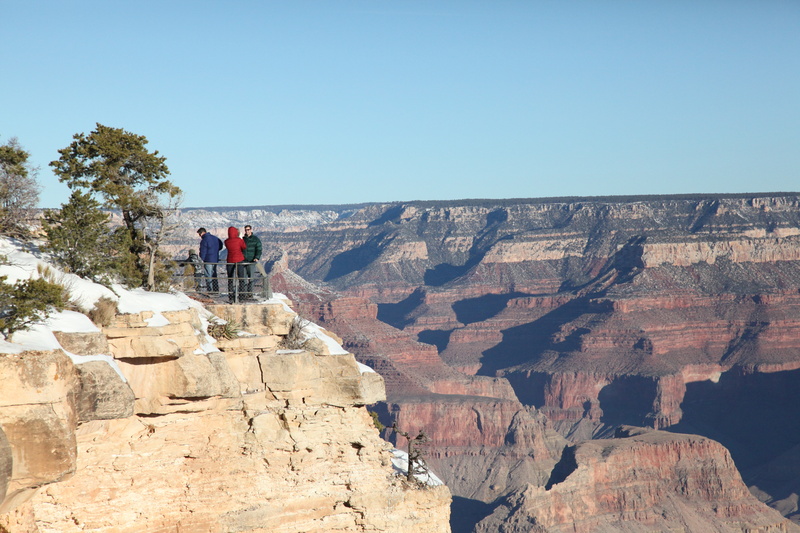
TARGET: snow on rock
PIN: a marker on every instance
(313, 331)
(400, 465)
(364, 368)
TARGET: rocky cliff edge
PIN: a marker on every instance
(148, 424)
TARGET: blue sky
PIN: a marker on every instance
(266, 103)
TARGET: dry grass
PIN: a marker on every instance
(295, 338)
(103, 312)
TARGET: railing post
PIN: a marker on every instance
(236, 283)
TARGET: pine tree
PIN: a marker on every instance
(80, 238)
(116, 165)
(19, 190)
(27, 302)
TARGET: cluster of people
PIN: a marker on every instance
(243, 254)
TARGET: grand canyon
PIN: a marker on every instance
(579, 364)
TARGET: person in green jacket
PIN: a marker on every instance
(252, 254)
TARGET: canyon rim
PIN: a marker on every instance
(513, 330)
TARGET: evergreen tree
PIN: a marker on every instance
(116, 165)
(80, 238)
(19, 190)
(27, 302)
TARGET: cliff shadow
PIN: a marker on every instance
(627, 400)
(398, 315)
(390, 215)
(527, 342)
(437, 337)
(355, 259)
(471, 310)
(754, 416)
(445, 272)
(565, 466)
(466, 513)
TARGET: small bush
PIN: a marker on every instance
(375, 421)
(295, 338)
(103, 312)
(27, 302)
(224, 330)
(57, 278)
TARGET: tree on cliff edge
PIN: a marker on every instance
(81, 239)
(19, 190)
(116, 165)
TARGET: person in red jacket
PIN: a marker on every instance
(236, 247)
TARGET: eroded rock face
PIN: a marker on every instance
(598, 312)
(38, 418)
(250, 438)
(103, 394)
(643, 481)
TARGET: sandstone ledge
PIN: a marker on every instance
(246, 439)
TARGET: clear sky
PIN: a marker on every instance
(331, 102)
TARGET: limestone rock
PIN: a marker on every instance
(267, 467)
(156, 384)
(6, 462)
(84, 343)
(300, 376)
(38, 417)
(102, 394)
(262, 319)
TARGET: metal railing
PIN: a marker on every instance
(238, 282)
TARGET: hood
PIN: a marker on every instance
(232, 232)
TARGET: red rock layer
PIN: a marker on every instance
(648, 481)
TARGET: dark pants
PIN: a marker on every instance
(235, 270)
(249, 268)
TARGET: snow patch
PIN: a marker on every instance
(400, 465)
(364, 368)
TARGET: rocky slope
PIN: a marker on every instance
(174, 433)
(596, 312)
(643, 481)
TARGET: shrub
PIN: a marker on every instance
(224, 330)
(295, 338)
(376, 421)
(103, 312)
(27, 302)
(58, 278)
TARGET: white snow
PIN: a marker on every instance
(27, 262)
(400, 465)
(311, 330)
(364, 368)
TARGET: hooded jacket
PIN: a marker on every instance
(235, 246)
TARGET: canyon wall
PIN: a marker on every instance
(178, 434)
(584, 313)
(643, 481)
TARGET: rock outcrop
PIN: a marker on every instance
(183, 436)
(596, 311)
(644, 480)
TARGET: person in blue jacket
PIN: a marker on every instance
(210, 245)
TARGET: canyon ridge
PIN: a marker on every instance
(525, 335)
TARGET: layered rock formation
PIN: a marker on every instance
(188, 437)
(598, 312)
(645, 481)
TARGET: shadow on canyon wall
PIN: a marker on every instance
(755, 416)
(526, 343)
(471, 310)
